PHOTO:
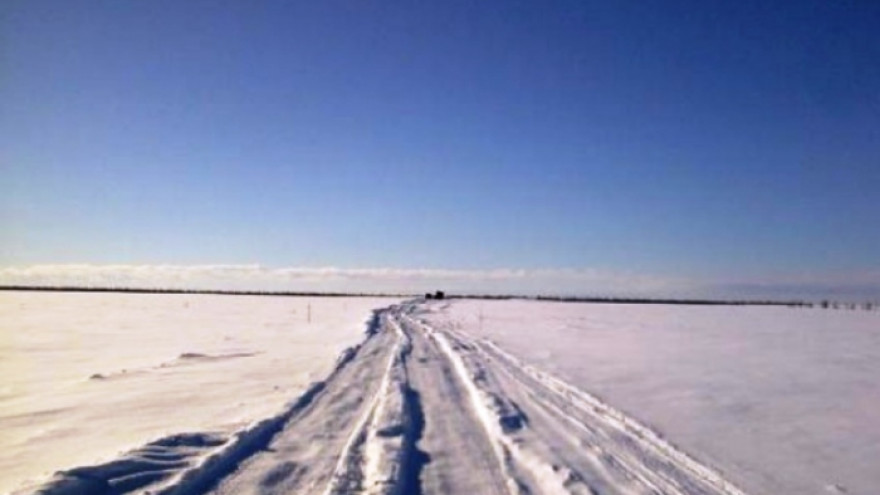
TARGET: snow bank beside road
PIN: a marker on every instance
(84, 377)
(780, 400)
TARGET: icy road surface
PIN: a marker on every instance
(417, 409)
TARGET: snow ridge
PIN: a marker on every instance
(189, 463)
(372, 459)
(648, 437)
(258, 436)
(420, 408)
(622, 455)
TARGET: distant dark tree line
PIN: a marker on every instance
(137, 290)
(825, 304)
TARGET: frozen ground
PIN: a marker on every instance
(414, 407)
(460, 397)
(422, 410)
(780, 400)
(84, 377)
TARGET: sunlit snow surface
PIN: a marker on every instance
(777, 400)
(780, 400)
(84, 377)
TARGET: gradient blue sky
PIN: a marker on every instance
(731, 141)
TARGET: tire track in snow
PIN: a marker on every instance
(372, 460)
(498, 417)
(195, 463)
(419, 409)
(462, 460)
(627, 442)
(324, 449)
(565, 440)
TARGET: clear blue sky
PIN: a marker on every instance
(704, 139)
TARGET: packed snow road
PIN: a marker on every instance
(418, 409)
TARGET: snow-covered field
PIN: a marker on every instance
(227, 395)
(84, 377)
(780, 400)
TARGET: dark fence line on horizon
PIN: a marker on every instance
(692, 302)
(639, 300)
(825, 304)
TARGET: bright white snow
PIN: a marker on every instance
(190, 395)
(84, 377)
(779, 400)
(422, 409)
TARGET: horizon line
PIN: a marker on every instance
(492, 296)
